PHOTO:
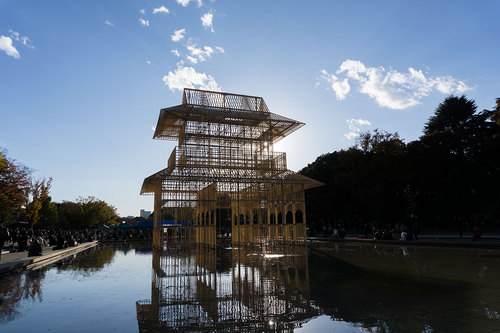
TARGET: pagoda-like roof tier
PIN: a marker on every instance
(242, 117)
(195, 180)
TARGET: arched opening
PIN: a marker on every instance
(202, 219)
(272, 219)
(235, 219)
(280, 218)
(242, 219)
(247, 219)
(206, 218)
(255, 218)
(212, 217)
(299, 216)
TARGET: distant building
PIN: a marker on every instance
(145, 213)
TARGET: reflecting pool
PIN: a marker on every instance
(343, 287)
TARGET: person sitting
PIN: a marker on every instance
(61, 242)
(35, 248)
(476, 233)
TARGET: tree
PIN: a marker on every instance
(380, 142)
(96, 212)
(487, 167)
(453, 126)
(14, 186)
(448, 178)
(39, 193)
(70, 214)
(363, 184)
(452, 115)
(461, 163)
(495, 117)
(48, 213)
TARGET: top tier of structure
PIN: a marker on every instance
(248, 113)
(223, 100)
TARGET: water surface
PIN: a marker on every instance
(344, 287)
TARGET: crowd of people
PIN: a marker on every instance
(400, 232)
(322, 230)
(18, 239)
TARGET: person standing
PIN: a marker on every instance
(4, 236)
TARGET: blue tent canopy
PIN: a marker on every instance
(150, 223)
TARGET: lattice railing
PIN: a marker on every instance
(224, 100)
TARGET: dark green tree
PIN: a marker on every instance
(96, 212)
(449, 178)
(380, 142)
(48, 214)
(455, 126)
(70, 214)
(363, 184)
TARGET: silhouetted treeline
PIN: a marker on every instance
(448, 178)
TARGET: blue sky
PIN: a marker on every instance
(82, 81)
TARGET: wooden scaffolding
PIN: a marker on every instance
(224, 175)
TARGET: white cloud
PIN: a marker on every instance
(7, 47)
(161, 9)
(351, 135)
(220, 49)
(188, 77)
(192, 59)
(341, 88)
(448, 85)
(148, 62)
(153, 128)
(109, 23)
(144, 23)
(142, 11)
(202, 53)
(355, 127)
(389, 88)
(178, 35)
(176, 53)
(22, 39)
(206, 21)
(184, 3)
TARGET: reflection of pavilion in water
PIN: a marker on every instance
(246, 291)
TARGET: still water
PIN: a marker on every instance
(335, 287)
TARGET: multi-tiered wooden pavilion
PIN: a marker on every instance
(224, 175)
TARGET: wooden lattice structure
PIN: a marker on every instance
(224, 175)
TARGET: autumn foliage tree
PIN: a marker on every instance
(14, 187)
(39, 193)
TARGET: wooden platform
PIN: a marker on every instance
(10, 262)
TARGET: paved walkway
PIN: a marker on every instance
(19, 260)
(486, 241)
